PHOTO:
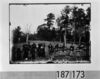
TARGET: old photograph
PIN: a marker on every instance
(49, 33)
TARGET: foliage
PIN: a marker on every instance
(16, 34)
(74, 20)
(77, 19)
(49, 19)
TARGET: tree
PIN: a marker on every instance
(16, 35)
(44, 30)
(49, 19)
(27, 32)
(77, 19)
(87, 27)
(88, 16)
(63, 21)
(44, 33)
(80, 21)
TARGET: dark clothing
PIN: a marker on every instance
(72, 48)
(18, 55)
(41, 50)
(51, 49)
(26, 50)
(33, 51)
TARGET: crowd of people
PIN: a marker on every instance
(31, 52)
(34, 51)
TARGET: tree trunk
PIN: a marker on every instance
(65, 42)
(74, 32)
(27, 38)
(80, 39)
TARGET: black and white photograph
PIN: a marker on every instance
(49, 33)
(51, 75)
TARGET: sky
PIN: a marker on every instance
(29, 17)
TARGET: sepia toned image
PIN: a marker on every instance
(51, 75)
(49, 33)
